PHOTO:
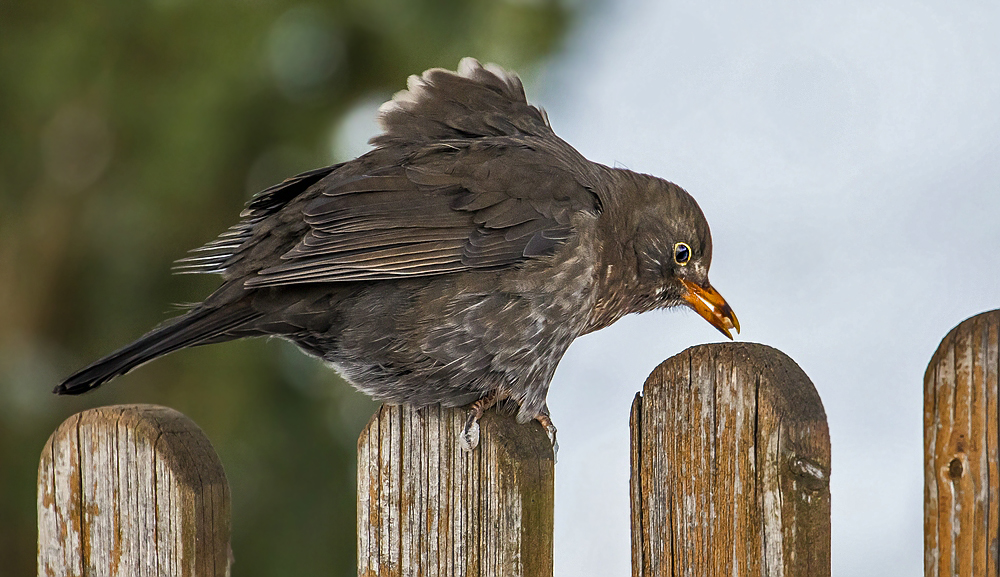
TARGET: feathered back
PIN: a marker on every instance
(475, 101)
(467, 175)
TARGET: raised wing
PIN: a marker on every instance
(477, 206)
(466, 175)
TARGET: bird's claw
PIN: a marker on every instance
(468, 437)
(550, 430)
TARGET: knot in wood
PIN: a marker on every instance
(955, 469)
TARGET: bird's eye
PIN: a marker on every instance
(682, 253)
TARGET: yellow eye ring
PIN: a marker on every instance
(682, 253)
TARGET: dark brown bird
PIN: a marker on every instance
(454, 263)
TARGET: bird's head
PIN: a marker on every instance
(673, 251)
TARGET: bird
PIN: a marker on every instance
(454, 263)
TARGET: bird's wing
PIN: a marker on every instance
(217, 256)
(466, 175)
(462, 206)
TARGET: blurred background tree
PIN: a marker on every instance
(131, 132)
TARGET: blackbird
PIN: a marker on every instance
(454, 263)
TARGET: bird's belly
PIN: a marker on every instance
(451, 340)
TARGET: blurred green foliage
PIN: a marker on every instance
(131, 131)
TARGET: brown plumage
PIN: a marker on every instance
(455, 262)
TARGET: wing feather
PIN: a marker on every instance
(466, 175)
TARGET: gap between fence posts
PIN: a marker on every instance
(961, 462)
(730, 467)
(132, 490)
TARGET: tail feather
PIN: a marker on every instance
(196, 327)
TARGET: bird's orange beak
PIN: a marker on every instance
(707, 302)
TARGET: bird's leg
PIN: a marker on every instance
(468, 438)
(550, 430)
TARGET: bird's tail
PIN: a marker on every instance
(197, 327)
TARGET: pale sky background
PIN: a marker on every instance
(847, 156)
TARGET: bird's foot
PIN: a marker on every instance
(550, 430)
(468, 437)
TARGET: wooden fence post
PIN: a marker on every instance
(730, 467)
(961, 464)
(427, 508)
(132, 490)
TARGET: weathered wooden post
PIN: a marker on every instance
(730, 467)
(961, 463)
(132, 490)
(427, 508)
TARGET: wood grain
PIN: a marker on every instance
(132, 490)
(961, 464)
(427, 508)
(730, 467)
